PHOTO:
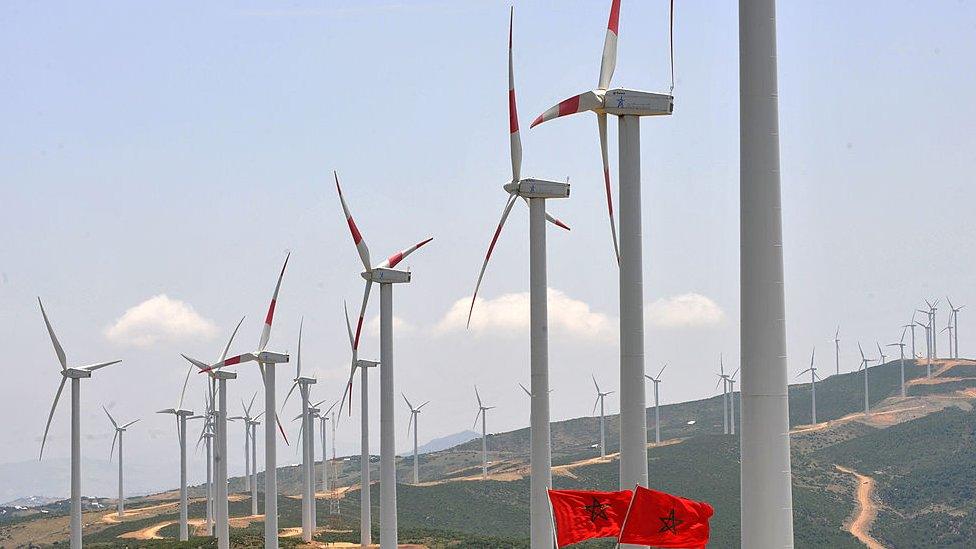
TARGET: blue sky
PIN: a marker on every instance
(182, 150)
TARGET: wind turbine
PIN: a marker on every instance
(813, 387)
(534, 192)
(386, 276)
(249, 466)
(220, 377)
(766, 510)
(928, 345)
(628, 105)
(75, 375)
(732, 402)
(323, 418)
(901, 360)
(724, 380)
(837, 350)
(181, 416)
(955, 324)
(881, 362)
(119, 429)
(266, 361)
(657, 415)
(864, 366)
(948, 328)
(414, 413)
(365, 505)
(600, 395)
(253, 426)
(933, 307)
(304, 385)
(483, 414)
(206, 436)
(911, 326)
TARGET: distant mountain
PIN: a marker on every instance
(30, 501)
(443, 443)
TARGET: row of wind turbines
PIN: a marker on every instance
(766, 520)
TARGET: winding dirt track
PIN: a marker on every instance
(867, 509)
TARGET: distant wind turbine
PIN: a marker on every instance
(813, 387)
(414, 412)
(837, 350)
(911, 326)
(483, 414)
(724, 380)
(864, 366)
(181, 416)
(119, 430)
(600, 396)
(928, 345)
(75, 375)
(657, 414)
(304, 385)
(955, 324)
(901, 359)
(732, 402)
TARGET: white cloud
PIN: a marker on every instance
(508, 314)
(159, 318)
(689, 310)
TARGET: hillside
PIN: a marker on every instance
(919, 450)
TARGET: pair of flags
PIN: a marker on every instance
(640, 516)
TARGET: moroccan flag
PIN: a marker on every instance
(582, 514)
(663, 520)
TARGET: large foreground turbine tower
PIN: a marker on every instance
(766, 512)
(629, 106)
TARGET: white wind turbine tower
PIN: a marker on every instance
(75, 375)
(249, 465)
(731, 382)
(813, 387)
(724, 380)
(837, 350)
(386, 276)
(221, 454)
(933, 307)
(414, 413)
(534, 192)
(954, 313)
(628, 105)
(901, 360)
(206, 436)
(119, 430)
(948, 329)
(315, 412)
(864, 366)
(928, 344)
(766, 511)
(657, 414)
(365, 501)
(881, 361)
(600, 396)
(266, 361)
(181, 416)
(253, 433)
(304, 385)
(911, 326)
(483, 415)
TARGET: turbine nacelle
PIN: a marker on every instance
(384, 275)
(223, 374)
(624, 102)
(366, 363)
(76, 373)
(538, 188)
(270, 357)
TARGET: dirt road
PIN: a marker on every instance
(867, 509)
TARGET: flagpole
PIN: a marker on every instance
(626, 516)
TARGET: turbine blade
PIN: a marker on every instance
(298, 367)
(491, 247)
(407, 401)
(557, 222)
(112, 450)
(134, 421)
(609, 61)
(266, 331)
(357, 237)
(422, 405)
(595, 383)
(93, 367)
(409, 423)
(586, 101)
(250, 403)
(282, 430)
(352, 342)
(513, 124)
(396, 258)
(231, 340)
(478, 396)
(526, 390)
(601, 119)
(54, 339)
(186, 380)
(661, 372)
(290, 391)
(50, 416)
(476, 417)
(362, 314)
(595, 402)
(110, 418)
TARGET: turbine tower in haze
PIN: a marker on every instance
(181, 416)
(365, 501)
(482, 414)
(534, 192)
(600, 395)
(837, 350)
(911, 326)
(723, 379)
(75, 375)
(864, 366)
(928, 344)
(732, 402)
(253, 424)
(901, 359)
(414, 412)
(119, 430)
(954, 313)
(629, 106)
(657, 402)
(386, 276)
(813, 387)
(304, 385)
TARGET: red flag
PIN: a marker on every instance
(582, 514)
(663, 520)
